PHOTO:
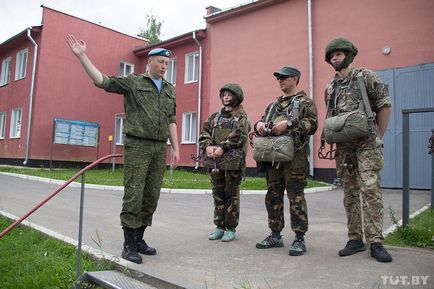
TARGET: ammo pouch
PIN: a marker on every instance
(346, 127)
(273, 149)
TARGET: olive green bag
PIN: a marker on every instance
(273, 149)
(353, 125)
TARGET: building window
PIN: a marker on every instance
(119, 131)
(189, 123)
(15, 130)
(2, 124)
(21, 66)
(191, 67)
(6, 71)
(171, 71)
(126, 69)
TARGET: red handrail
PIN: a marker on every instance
(56, 192)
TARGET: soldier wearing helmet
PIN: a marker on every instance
(359, 161)
(223, 142)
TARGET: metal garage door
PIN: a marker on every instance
(410, 88)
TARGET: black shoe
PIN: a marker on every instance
(131, 255)
(143, 248)
(378, 252)
(352, 247)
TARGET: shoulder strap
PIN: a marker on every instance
(270, 112)
(362, 88)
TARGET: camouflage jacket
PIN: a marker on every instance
(147, 112)
(343, 94)
(236, 139)
(307, 122)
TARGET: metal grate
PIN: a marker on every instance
(108, 279)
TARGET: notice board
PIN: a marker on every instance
(75, 132)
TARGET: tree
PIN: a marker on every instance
(152, 31)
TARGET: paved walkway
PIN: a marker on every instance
(186, 257)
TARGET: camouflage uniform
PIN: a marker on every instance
(148, 115)
(290, 175)
(358, 164)
(229, 130)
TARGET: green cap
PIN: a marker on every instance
(288, 71)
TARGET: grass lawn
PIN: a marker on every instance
(30, 259)
(180, 179)
(418, 233)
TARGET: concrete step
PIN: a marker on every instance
(109, 280)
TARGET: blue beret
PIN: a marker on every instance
(160, 52)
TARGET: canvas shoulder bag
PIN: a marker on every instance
(353, 125)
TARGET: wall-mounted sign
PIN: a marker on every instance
(75, 132)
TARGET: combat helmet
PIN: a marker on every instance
(236, 90)
(341, 44)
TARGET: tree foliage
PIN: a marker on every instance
(152, 30)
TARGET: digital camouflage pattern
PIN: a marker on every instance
(148, 114)
(290, 175)
(359, 164)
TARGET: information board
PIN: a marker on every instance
(75, 132)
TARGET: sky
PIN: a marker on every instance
(127, 16)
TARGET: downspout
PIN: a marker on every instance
(32, 85)
(199, 97)
(309, 21)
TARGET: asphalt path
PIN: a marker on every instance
(182, 223)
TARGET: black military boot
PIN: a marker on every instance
(142, 247)
(379, 253)
(129, 251)
(352, 247)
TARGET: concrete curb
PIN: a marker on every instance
(163, 190)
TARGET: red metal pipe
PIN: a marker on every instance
(56, 192)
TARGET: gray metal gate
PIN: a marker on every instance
(410, 88)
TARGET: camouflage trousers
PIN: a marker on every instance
(144, 167)
(281, 177)
(359, 170)
(226, 195)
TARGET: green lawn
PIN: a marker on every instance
(418, 233)
(30, 259)
(181, 179)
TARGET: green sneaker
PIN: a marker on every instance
(297, 248)
(228, 236)
(270, 242)
(216, 234)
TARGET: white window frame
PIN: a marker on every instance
(123, 68)
(189, 127)
(170, 74)
(2, 124)
(191, 63)
(16, 121)
(21, 64)
(6, 71)
(119, 135)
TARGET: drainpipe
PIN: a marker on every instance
(199, 97)
(32, 85)
(309, 20)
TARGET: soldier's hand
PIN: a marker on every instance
(279, 127)
(210, 151)
(260, 127)
(218, 152)
(77, 47)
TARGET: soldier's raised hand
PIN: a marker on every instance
(77, 47)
